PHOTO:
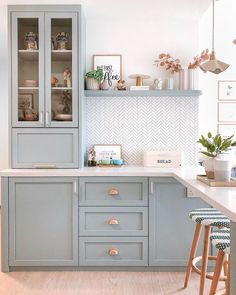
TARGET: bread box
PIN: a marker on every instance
(162, 159)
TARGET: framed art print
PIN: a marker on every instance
(107, 151)
(227, 90)
(227, 130)
(227, 112)
(111, 64)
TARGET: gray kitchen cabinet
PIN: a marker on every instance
(43, 221)
(170, 228)
(45, 148)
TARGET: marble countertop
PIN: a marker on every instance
(221, 198)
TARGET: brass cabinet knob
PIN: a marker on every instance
(113, 221)
(113, 191)
(113, 252)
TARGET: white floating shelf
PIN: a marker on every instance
(28, 88)
(142, 93)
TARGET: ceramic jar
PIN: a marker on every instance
(209, 168)
(222, 169)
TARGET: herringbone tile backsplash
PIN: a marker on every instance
(144, 123)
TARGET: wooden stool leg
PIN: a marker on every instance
(226, 264)
(217, 272)
(205, 254)
(192, 253)
(228, 278)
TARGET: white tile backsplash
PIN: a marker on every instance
(144, 123)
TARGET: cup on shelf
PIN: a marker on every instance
(104, 162)
(117, 162)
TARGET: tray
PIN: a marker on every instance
(109, 166)
(213, 182)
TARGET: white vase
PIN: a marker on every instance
(169, 84)
(92, 84)
(192, 79)
(183, 79)
(222, 169)
(209, 167)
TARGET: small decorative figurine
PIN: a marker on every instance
(121, 85)
(67, 77)
(31, 41)
(91, 158)
(66, 101)
(157, 84)
(62, 39)
(54, 81)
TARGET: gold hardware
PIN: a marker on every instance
(113, 221)
(113, 191)
(44, 166)
(113, 252)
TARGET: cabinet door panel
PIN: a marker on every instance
(35, 147)
(27, 68)
(61, 73)
(170, 228)
(43, 222)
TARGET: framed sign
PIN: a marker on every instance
(107, 151)
(227, 130)
(111, 64)
(227, 112)
(227, 90)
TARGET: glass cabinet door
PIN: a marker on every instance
(27, 69)
(61, 67)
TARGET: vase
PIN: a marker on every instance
(92, 84)
(192, 79)
(169, 84)
(104, 85)
(182, 80)
(222, 169)
(209, 168)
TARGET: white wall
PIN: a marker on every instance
(225, 33)
(138, 31)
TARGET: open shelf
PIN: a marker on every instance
(142, 93)
(28, 55)
(28, 88)
(61, 88)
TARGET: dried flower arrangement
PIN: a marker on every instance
(170, 63)
(198, 60)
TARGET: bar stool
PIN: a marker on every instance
(207, 217)
(221, 241)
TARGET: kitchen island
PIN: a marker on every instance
(135, 194)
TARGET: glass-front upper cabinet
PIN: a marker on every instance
(27, 69)
(61, 69)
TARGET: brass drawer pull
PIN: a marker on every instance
(113, 221)
(113, 191)
(113, 252)
(44, 166)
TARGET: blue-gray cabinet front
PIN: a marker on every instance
(170, 228)
(43, 221)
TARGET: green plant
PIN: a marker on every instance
(96, 74)
(215, 145)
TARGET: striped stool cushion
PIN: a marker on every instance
(221, 240)
(209, 216)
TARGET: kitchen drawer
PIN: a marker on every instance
(101, 251)
(118, 221)
(32, 148)
(113, 191)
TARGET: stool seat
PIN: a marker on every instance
(209, 216)
(220, 239)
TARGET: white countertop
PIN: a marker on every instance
(221, 198)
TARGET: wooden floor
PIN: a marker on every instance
(96, 283)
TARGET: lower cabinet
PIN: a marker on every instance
(43, 221)
(170, 228)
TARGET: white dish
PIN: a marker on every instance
(63, 117)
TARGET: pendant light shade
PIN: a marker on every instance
(213, 65)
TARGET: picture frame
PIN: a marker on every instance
(227, 90)
(25, 100)
(226, 130)
(111, 65)
(227, 112)
(107, 151)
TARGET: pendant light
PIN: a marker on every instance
(213, 65)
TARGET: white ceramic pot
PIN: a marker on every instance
(209, 167)
(92, 84)
(192, 79)
(183, 79)
(222, 169)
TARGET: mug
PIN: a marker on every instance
(105, 162)
(117, 162)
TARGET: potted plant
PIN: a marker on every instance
(214, 145)
(93, 79)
